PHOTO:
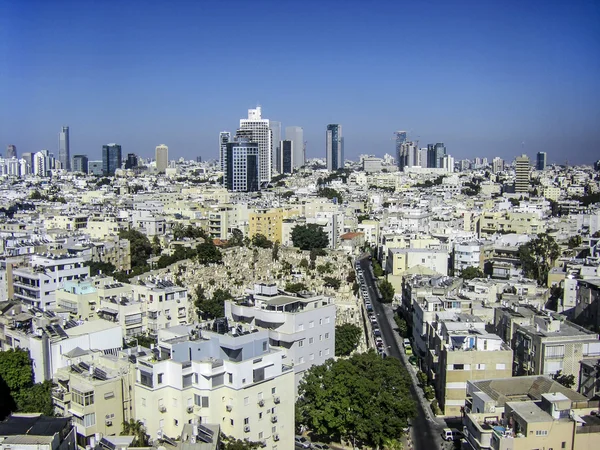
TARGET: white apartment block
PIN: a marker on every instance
(303, 326)
(261, 133)
(234, 379)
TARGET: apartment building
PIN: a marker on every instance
(587, 303)
(400, 260)
(471, 254)
(34, 431)
(97, 391)
(544, 342)
(268, 222)
(36, 284)
(166, 303)
(302, 325)
(234, 379)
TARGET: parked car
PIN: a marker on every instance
(408, 350)
(378, 342)
(301, 442)
(377, 332)
(451, 434)
(373, 319)
(319, 446)
(405, 342)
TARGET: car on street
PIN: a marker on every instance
(376, 332)
(373, 319)
(319, 446)
(408, 350)
(405, 342)
(378, 342)
(301, 442)
(369, 307)
(451, 434)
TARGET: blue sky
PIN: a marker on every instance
(486, 78)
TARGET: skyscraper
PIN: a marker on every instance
(522, 167)
(400, 139)
(111, 159)
(335, 147)
(275, 141)
(242, 171)
(261, 134)
(497, 164)
(131, 161)
(541, 161)
(296, 135)
(286, 158)
(162, 158)
(80, 163)
(435, 155)
(410, 155)
(224, 139)
(11, 151)
(64, 152)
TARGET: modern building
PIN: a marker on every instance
(522, 168)
(435, 155)
(132, 161)
(11, 151)
(497, 164)
(286, 157)
(302, 325)
(540, 161)
(95, 168)
(162, 158)
(410, 155)
(275, 143)
(28, 157)
(80, 163)
(43, 163)
(296, 135)
(400, 139)
(224, 139)
(242, 173)
(232, 377)
(261, 135)
(334, 144)
(64, 152)
(111, 159)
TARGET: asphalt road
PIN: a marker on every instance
(424, 432)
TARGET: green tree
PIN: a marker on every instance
(261, 241)
(364, 399)
(231, 443)
(309, 236)
(333, 282)
(538, 256)
(140, 247)
(35, 195)
(422, 378)
(566, 380)
(351, 277)
(387, 291)
(208, 253)
(100, 266)
(330, 194)
(156, 247)
(347, 337)
(377, 270)
(178, 231)
(236, 239)
(402, 326)
(471, 272)
(137, 429)
(275, 252)
(287, 195)
(36, 399)
(294, 288)
(574, 241)
(214, 307)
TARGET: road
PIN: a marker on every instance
(425, 432)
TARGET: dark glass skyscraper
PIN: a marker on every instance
(80, 163)
(111, 159)
(242, 164)
(64, 152)
(540, 162)
(287, 156)
(400, 139)
(335, 147)
(435, 155)
(131, 161)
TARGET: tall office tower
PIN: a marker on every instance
(242, 171)
(286, 158)
(64, 153)
(11, 151)
(522, 167)
(111, 159)
(261, 134)
(224, 139)
(497, 164)
(131, 161)
(410, 155)
(423, 157)
(275, 141)
(80, 163)
(296, 135)
(43, 163)
(400, 139)
(28, 157)
(448, 163)
(540, 161)
(335, 147)
(162, 158)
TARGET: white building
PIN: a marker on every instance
(224, 139)
(303, 326)
(43, 162)
(234, 379)
(162, 158)
(261, 134)
(296, 135)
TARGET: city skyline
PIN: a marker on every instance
(499, 88)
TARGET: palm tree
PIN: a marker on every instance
(392, 444)
(137, 429)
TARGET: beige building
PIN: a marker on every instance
(268, 222)
(162, 158)
(510, 222)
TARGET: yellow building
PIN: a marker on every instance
(510, 222)
(268, 223)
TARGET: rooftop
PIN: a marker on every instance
(32, 425)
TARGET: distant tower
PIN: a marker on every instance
(335, 147)
(11, 151)
(162, 158)
(400, 139)
(131, 161)
(261, 134)
(522, 174)
(80, 163)
(224, 139)
(286, 159)
(540, 163)
(296, 135)
(111, 159)
(64, 152)
(497, 165)
(275, 140)
(242, 171)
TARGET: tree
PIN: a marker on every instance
(566, 380)
(100, 266)
(309, 236)
(422, 378)
(140, 247)
(137, 429)
(537, 256)
(332, 282)
(303, 264)
(574, 241)
(387, 291)
(156, 247)
(347, 337)
(364, 399)
(330, 194)
(377, 270)
(402, 326)
(294, 288)
(236, 239)
(214, 307)
(36, 399)
(351, 278)
(231, 443)
(208, 253)
(261, 241)
(275, 252)
(471, 272)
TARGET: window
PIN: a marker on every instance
(311, 324)
(187, 380)
(326, 319)
(320, 337)
(311, 340)
(260, 415)
(480, 366)
(541, 432)
(458, 367)
(301, 343)
(265, 344)
(273, 391)
(230, 375)
(143, 402)
(274, 429)
(89, 420)
(326, 335)
(326, 351)
(82, 398)
(160, 378)
(201, 401)
(260, 435)
(311, 356)
(246, 401)
(555, 351)
(231, 422)
(258, 375)
(175, 422)
(246, 420)
(301, 360)
(500, 366)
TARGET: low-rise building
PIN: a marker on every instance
(36, 432)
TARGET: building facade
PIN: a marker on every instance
(80, 163)
(261, 135)
(522, 167)
(334, 143)
(296, 135)
(64, 151)
(111, 159)
(286, 157)
(162, 158)
(400, 139)
(276, 145)
(540, 161)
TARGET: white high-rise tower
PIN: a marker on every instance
(162, 158)
(296, 135)
(261, 134)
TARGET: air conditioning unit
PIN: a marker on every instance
(276, 400)
(162, 409)
(108, 423)
(275, 437)
(229, 408)
(190, 409)
(274, 419)
(247, 429)
(261, 403)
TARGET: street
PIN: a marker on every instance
(425, 431)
